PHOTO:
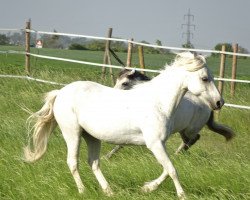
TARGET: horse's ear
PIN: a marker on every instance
(132, 72)
(124, 71)
(198, 54)
(195, 53)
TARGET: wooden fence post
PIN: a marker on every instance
(222, 69)
(107, 59)
(27, 47)
(129, 56)
(141, 58)
(234, 69)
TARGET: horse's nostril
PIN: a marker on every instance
(219, 104)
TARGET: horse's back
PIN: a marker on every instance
(67, 95)
(85, 95)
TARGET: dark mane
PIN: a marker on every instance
(135, 75)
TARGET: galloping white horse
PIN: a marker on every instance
(192, 114)
(141, 116)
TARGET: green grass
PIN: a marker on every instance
(212, 169)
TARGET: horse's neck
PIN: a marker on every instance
(171, 91)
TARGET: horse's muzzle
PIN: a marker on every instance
(219, 104)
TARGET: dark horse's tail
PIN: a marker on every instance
(219, 128)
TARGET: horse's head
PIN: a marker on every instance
(128, 78)
(199, 80)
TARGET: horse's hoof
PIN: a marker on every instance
(182, 196)
(81, 190)
(108, 191)
(149, 187)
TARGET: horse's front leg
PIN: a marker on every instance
(158, 149)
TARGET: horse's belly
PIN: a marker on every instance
(111, 133)
(111, 127)
(120, 138)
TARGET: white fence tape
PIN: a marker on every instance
(12, 29)
(232, 80)
(237, 106)
(30, 78)
(128, 41)
(138, 43)
(12, 52)
(90, 63)
(62, 84)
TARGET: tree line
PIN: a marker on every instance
(65, 42)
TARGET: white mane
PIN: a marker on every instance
(191, 62)
(187, 60)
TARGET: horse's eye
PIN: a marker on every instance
(125, 84)
(205, 79)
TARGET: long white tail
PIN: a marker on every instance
(44, 124)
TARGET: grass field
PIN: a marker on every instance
(212, 169)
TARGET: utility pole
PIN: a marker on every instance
(188, 25)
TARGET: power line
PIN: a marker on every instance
(188, 25)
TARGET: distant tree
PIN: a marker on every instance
(55, 37)
(4, 39)
(79, 41)
(242, 50)
(96, 45)
(119, 46)
(229, 48)
(188, 46)
(51, 41)
(218, 47)
(77, 47)
(159, 43)
(150, 50)
(65, 41)
(15, 38)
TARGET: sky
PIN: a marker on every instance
(215, 21)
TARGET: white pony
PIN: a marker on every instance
(141, 116)
(190, 117)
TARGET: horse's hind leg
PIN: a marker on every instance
(187, 142)
(192, 141)
(184, 142)
(113, 151)
(94, 147)
(72, 138)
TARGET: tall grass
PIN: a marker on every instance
(212, 169)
